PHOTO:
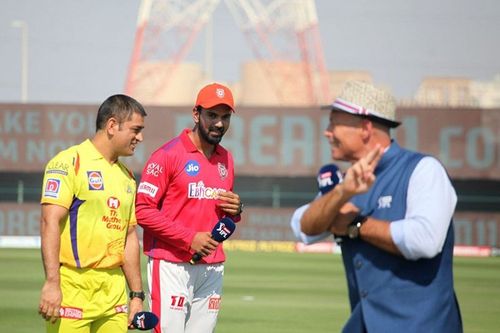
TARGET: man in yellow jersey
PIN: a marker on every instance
(90, 248)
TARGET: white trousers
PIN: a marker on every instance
(186, 298)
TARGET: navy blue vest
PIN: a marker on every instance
(389, 293)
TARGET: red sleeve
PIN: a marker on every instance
(151, 192)
(235, 218)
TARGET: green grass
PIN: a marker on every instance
(265, 292)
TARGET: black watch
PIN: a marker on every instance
(138, 294)
(353, 228)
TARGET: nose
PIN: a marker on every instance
(328, 133)
(218, 123)
(139, 137)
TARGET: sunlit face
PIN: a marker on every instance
(213, 123)
(128, 135)
(344, 133)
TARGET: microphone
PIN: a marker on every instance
(221, 231)
(329, 176)
(144, 321)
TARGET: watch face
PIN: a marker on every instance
(353, 231)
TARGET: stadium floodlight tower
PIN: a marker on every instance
(284, 32)
(166, 30)
(283, 35)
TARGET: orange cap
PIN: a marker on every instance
(215, 94)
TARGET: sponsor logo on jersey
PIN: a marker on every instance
(177, 302)
(192, 168)
(57, 171)
(71, 313)
(147, 188)
(96, 183)
(200, 191)
(385, 202)
(154, 169)
(222, 170)
(214, 303)
(52, 188)
(123, 308)
(58, 168)
(113, 203)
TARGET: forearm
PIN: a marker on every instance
(378, 233)
(132, 265)
(155, 222)
(322, 212)
(50, 246)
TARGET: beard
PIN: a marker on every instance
(205, 134)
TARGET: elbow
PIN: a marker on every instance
(308, 228)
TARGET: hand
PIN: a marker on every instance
(203, 243)
(345, 217)
(134, 306)
(360, 176)
(50, 301)
(231, 203)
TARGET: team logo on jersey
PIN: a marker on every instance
(147, 188)
(192, 167)
(113, 203)
(220, 92)
(96, 183)
(52, 188)
(222, 170)
(154, 169)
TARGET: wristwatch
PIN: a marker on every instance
(353, 228)
(138, 294)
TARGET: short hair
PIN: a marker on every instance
(120, 107)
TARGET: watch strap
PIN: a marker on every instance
(138, 294)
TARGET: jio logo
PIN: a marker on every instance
(192, 168)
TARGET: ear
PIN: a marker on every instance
(196, 115)
(112, 126)
(366, 129)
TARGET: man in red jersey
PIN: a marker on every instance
(186, 187)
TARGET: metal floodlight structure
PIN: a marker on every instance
(278, 31)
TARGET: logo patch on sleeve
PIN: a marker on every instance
(52, 188)
(147, 188)
(96, 183)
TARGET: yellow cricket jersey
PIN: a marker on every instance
(100, 198)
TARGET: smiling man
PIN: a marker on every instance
(186, 187)
(394, 212)
(90, 248)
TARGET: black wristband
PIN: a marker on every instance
(138, 294)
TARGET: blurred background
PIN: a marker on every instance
(283, 60)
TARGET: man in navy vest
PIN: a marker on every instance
(394, 210)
